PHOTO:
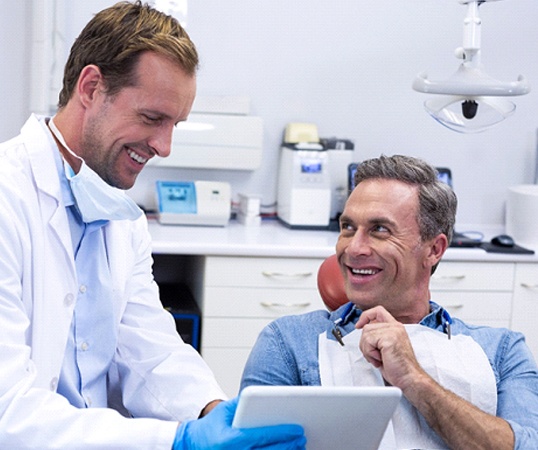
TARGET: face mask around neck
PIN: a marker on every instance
(94, 198)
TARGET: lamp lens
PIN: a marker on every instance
(469, 115)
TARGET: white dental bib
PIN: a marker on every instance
(458, 364)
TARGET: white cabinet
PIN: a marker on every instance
(244, 277)
(478, 293)
(241, 296)
(525, 305)
(498, 294)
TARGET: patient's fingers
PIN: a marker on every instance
(374, 315)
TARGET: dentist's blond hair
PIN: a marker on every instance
(116, 37)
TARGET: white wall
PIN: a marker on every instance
(348, 67)
(14, 66)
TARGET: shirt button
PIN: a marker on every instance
(84, 346)
(69, 299)
(53, 384)
(82, 289)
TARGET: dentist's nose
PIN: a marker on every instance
(161, 142)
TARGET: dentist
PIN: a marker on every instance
(89, 359)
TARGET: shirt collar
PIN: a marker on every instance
(437, 318)
(349, 315)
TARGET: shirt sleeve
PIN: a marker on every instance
(517, 390)
(286, 351)
(271, 362)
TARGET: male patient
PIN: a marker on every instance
(464, 386)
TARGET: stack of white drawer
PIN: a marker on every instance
(480, 294)
(241, 296)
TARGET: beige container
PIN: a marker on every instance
(522, 215)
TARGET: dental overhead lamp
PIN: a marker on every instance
(470, 101)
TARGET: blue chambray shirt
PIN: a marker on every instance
(286, 353)
(91, 342)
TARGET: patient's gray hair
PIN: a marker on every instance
(437, 200)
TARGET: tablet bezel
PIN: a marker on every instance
(333, 417)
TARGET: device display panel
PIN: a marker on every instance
(177, 197)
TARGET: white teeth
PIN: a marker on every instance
(136, 157)
(364, 271)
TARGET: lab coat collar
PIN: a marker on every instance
(36, 136)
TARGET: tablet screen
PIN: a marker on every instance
(332, 417)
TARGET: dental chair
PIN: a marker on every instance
(331, 284)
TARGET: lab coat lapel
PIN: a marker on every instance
(43, 169)
(54, 280)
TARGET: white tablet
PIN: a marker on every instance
(332, 417)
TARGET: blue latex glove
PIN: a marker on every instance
(215, 432)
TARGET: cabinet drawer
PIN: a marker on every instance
(479, 308)
(473, 276)
(292, 273)
(259, 302)
(525, 309)
(527, 278)
(228, 332)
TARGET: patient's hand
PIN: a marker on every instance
(386, 345)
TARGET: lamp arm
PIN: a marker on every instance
(472, 35)
(455, 87)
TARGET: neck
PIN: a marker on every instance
(74, 162)
(420, 310)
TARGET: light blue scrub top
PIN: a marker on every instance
(92, 339)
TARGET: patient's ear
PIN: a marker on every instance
(437, 248)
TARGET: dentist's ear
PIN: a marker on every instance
(90, 82)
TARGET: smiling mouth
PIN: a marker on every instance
(364, 271)
(136, 157)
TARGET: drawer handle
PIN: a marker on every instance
(286, 275)
(285, 305)
(448, 278)
(529, 286)
(458, 306)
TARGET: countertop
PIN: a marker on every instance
(273, 239)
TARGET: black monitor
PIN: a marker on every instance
(444, 175)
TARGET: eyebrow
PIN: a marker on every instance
(161, 115)
(380, 220)
(344, 218)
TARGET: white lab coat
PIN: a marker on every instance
(160, 379)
